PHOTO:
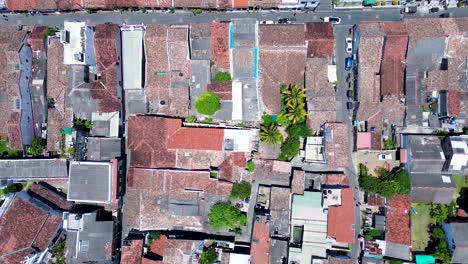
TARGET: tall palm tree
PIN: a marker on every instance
(294, 95)
(270, 134)
(296, 113)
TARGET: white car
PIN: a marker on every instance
(349, 45)
(385, 157)
(333, 20)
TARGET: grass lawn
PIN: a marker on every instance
(461, 181)
(419, 226)
(9, 152)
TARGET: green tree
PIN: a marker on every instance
(241, 190)
(289, 149)
(208, 256)
(197, 11)
(251, 165)
(270, 134)
(223, 214)
(282, 120)
(222, 77)
(403, 181)
(36, 148)
(208, 103)
(299, 130)
(296, 113)
(440, 212)
(294, 96)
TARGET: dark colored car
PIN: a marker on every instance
(282, 21)
(349, 93)
(445, 15)
(348, 63)
(349, 105)
(434, 10)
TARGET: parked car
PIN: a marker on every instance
(333, 20)
(350, 93)
(349, 45)
(434, 10)
(348, 63)
(267, 22)
(282, 21)
(409, 10)
(445, 15)
(349, 105)
(385, 157)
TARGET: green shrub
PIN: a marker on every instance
(208, 120)
(396, 261)
(387, 183)
(222, 77)
(251, 165)
(191, 119)
(388, 143)
(214, 174)
(58, 251)
(130, 9)
(241, 190)
(142, 9)
(197, 11)
(172, 10)
(440, 212)
(208, 103)
(49, 32)
(372, 233)
(153, 236)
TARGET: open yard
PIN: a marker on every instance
(419, 226)
(7, 152)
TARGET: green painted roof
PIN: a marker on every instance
(425, 259)
(369, 2)
(67, 131)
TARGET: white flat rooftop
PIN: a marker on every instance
(75, 44)
(132, 57)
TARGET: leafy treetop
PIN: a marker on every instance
(223, 214)
(222, 77)
(208, 103)
(208, 256)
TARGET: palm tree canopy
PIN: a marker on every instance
(270, 134)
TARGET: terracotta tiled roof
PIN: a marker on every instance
(341, 218)
(10, 43)
(392, 80)
(153, 140)
(196, 3)
(298, 180)
(131, 252)
(24, 227)
(336, 179)
(337, 145)
(22, 5)
(240, 3)
(233, 166)
(220, 44)
(177, 251)
(222, 89)
(37, 38)
(454, 102)
(105, 89)
(48, 195)
(111, 4)
(264, 3)
(272, 75)
(398, 226)
(281, 35)
(424, 28)
(260, 242)
(159, 245)
(320, 38)
(60, 116)
(148, 185)
(376, 200)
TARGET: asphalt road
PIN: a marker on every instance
(348, 17)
